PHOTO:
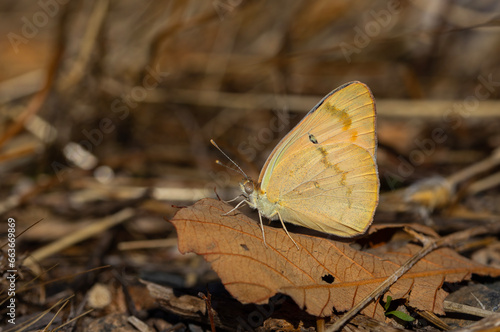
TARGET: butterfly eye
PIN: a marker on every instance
(249, 187)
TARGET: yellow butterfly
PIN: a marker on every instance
(323, 174)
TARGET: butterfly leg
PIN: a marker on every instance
(235, 208)
(284, 227)
(262, 228)
(232, 200)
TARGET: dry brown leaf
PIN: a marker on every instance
(322, 275)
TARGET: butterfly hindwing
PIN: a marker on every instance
(331, 188)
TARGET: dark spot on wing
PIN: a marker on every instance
(313, 139)
(244, 246)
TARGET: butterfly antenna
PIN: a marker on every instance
(235, 164)
(218, 162)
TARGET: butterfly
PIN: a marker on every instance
(323, 174)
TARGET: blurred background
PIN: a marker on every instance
(108, 108)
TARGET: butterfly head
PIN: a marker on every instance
(250, 191)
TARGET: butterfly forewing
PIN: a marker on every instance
(346, 115)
